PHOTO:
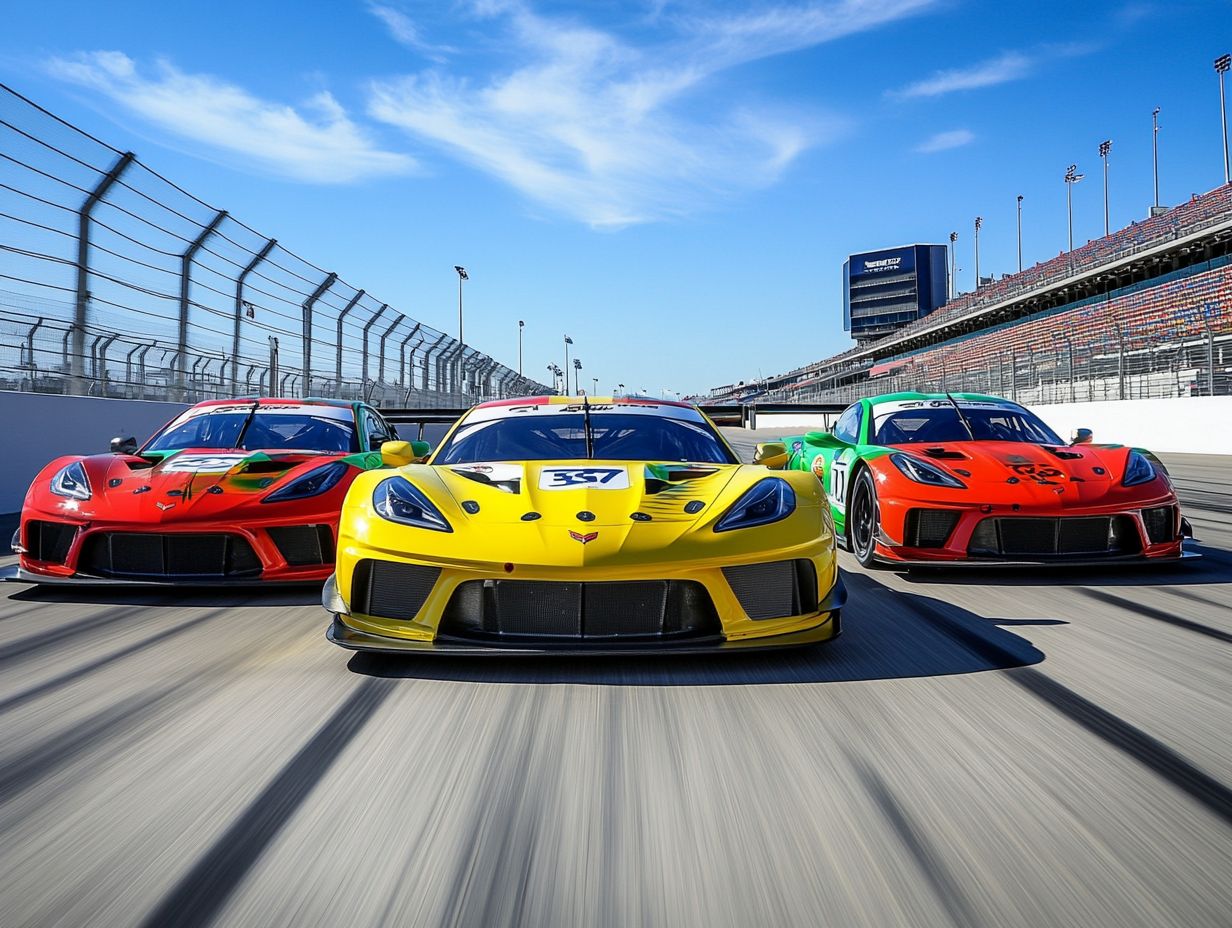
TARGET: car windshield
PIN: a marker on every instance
(937, 424)
(615, 436)
(299, 428)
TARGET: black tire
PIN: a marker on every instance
(863, 519)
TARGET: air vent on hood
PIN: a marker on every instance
(945, 454)
(1063, 454)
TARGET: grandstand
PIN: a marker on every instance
(1143, 312)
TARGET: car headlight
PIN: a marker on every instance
(317, 481)
(766, 501)
(399, 500)
(923, 472)
(71, 481)
(1137, 470)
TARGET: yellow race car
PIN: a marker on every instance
(582, 525)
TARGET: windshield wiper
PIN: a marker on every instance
(590, 438)
(966, 424)
(252, 413)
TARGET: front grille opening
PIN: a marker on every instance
(774, 590)
(187, 555)
(929, 528)
(574, 611)
(1054, 537)
(1160, 524)
(49, 541)
(389, 590)
(303, 545)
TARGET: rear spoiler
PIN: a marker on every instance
(422, 416)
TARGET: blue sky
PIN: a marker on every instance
(673, 184)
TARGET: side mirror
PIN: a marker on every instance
(397, 453)
(771, 454)
(1081, 437)
(125, 445)
(421, 450)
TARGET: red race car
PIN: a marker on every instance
(245, 490)
(917, 478)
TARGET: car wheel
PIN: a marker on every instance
(863, 519)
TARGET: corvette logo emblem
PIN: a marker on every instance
(165, 506)
(584, 539)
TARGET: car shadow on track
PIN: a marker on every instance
(1213, 566)
(253, 597)
(886, 635)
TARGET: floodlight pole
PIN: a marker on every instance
(953, 282)
(979, 221)
(1155, 153)
(1222, 63)
(1105, 147)
(1020, 233)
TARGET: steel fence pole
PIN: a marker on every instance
(354, 301)
(186, 260)
(402, 355)
(384, 335)
(427, 360)
(307, 326)
(364, 350)
(239, 309)
(76, 360)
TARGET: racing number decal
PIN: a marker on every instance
(838, 482)
(1041, 474)
(202, 463)
(594, 478)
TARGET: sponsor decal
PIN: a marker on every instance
(583, 539)
(591, 478)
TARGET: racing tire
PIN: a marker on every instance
(863, 520)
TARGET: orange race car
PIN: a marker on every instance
(926, 479)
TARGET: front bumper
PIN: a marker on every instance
(349, 631)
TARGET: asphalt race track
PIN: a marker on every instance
(996, 749)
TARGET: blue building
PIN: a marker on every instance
(884, 290)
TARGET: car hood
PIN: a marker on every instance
(550, 514)
(188, 484)
(1044, 472)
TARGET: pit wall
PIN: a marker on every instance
(37, 427)
(1196, 425)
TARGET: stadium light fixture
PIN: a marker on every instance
(1020, 233)
(1222, 64)
(1071, 177)
(462, 275)
(1104, 147)
(521, 326)
(1155, 156)
(577, 370)
(568, 342)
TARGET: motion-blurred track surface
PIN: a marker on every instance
(987, 748)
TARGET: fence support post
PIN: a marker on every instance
(384, 335)
(76, 360)
(427, 360)
(359, 294)
(239, 310)
(273, 365)
(307, 326)
(402, 355)
(368, 325)
(186, 260)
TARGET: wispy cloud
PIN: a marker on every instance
(317, 142)
(601, 130)
(402, 29)
(942, 141)
(1009, 66)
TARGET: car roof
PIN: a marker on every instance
(280, 401)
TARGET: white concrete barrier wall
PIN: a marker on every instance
(37, 427)
(1196, 425)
